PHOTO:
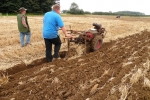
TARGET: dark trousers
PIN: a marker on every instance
(48, 45)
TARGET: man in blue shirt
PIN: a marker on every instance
(51, 23)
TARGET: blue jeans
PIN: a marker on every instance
(22, 35)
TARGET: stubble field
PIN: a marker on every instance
(118, 71)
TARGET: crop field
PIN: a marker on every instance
(119, 70)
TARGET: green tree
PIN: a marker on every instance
(9, 6)
(74, 9)
(65, 11)
(46, 5)
(87, 12)
(80, 11)
(33, 6)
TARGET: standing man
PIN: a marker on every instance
(51, 23)
(23, 27)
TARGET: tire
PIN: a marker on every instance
(96, 43)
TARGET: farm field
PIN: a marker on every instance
(118, 71)
(12, 54)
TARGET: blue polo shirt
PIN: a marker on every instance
(51, 24)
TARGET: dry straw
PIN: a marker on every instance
(83, 86)
(105, 72)
(146, 82)
(114, 89)
(124, 90)
(3, 79)
(94, 89)
(56, 80)
(136, 76)
(146, 66)
(124, 79)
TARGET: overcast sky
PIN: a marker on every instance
(142, 6)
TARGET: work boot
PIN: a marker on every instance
(27, 44)
(54, 59)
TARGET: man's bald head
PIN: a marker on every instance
(56, 7)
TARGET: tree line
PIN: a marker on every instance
(123, 13)
(33, 6)
(42, 6)
(74, 9)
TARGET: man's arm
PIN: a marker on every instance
(65, 32)
(24, 22)
(61, 25)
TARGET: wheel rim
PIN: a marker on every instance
(98, 44)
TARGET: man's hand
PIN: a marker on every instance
(25, 26)
(68, 35)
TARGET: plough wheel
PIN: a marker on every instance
(96, 43)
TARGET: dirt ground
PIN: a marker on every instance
(120, 70)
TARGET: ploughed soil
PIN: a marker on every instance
(119, 70)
